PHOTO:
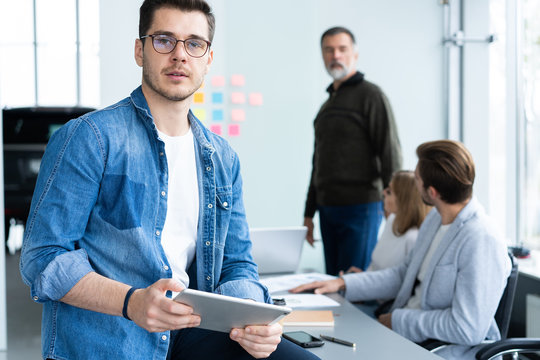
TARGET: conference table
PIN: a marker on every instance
(373, 340)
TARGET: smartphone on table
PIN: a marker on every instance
(303, 339)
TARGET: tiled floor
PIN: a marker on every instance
(23, 316)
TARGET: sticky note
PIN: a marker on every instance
(217, 98)
(234, 130)
(238, 80)
(198, 98)
(199, 114)
(238, 98)
(218, 81)
(217, 115)
(238, 115)
(216, 129)
(255, 99)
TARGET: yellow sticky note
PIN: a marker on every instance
(198, 98)
(199, 114)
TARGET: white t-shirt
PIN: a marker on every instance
(415, 300)
(392, 250)
(179, 235)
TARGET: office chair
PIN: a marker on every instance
(502, 318)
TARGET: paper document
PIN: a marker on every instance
(287, 282)
(296, 301)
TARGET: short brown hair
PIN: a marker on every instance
(447, 166)
(149, 7)
(411, 210)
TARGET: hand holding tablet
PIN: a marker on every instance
(223, 313)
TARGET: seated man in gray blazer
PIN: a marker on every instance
(450, 285)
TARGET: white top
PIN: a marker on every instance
(392, 250)
(179, 233)
(415, 300)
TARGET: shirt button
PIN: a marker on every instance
(161, 153)
(35, 298)
(210, 206)
(208, 168)
(165, 267)
(225, 204)
(163, 337)
(163, 193)
(208, 243)
(158, 232)
(208, 278)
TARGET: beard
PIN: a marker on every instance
(337, 70)
(173, 95)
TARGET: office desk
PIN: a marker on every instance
(373, 340)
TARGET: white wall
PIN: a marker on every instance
(3, 312)
(275, 44)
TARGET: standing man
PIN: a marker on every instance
(138, 201)
(450, 285)
(356, 151)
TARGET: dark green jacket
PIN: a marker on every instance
(356, 146)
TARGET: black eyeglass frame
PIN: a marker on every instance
(208, 43)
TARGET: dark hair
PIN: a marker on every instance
(338, 30)
(411, 210)
(149, 7)
(447, 166)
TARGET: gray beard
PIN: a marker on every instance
(337, 73)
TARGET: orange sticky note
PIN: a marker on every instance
(238, 98)
(238, 80)
(216, 129)
(255, 99)
(234, 130)
(199, 114)
(238, 115)
(218, 81)
(198, 98)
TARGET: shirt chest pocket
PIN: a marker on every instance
(223, 214)
(442, 286)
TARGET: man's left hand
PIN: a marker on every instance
(386, 320)
(258, 341)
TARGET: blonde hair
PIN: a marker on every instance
(411, 210)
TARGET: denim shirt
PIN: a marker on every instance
(99, 205)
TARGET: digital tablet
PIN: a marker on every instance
(222, 313)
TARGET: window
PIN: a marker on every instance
(49, 53)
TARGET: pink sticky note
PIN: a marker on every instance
(216, 129)
(234, 130)
(255, 99)
(238, 115)
(238, 98)
(238, 80)
(218, 81)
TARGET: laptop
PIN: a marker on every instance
(277, 250)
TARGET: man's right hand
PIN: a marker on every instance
(308, 222)
(152, 310)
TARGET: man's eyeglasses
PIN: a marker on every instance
(165, 44)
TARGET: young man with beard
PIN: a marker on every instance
(356, 152)
(138, 201)
(450, 285)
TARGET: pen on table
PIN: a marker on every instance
(338, 341)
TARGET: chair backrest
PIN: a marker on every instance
(504, 311)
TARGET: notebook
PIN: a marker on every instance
(277, 250)
(309, 318)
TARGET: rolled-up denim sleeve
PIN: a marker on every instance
(66, 191)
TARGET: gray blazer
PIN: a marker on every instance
(462, 288)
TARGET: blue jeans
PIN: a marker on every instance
(349, 234)
(200, 344)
